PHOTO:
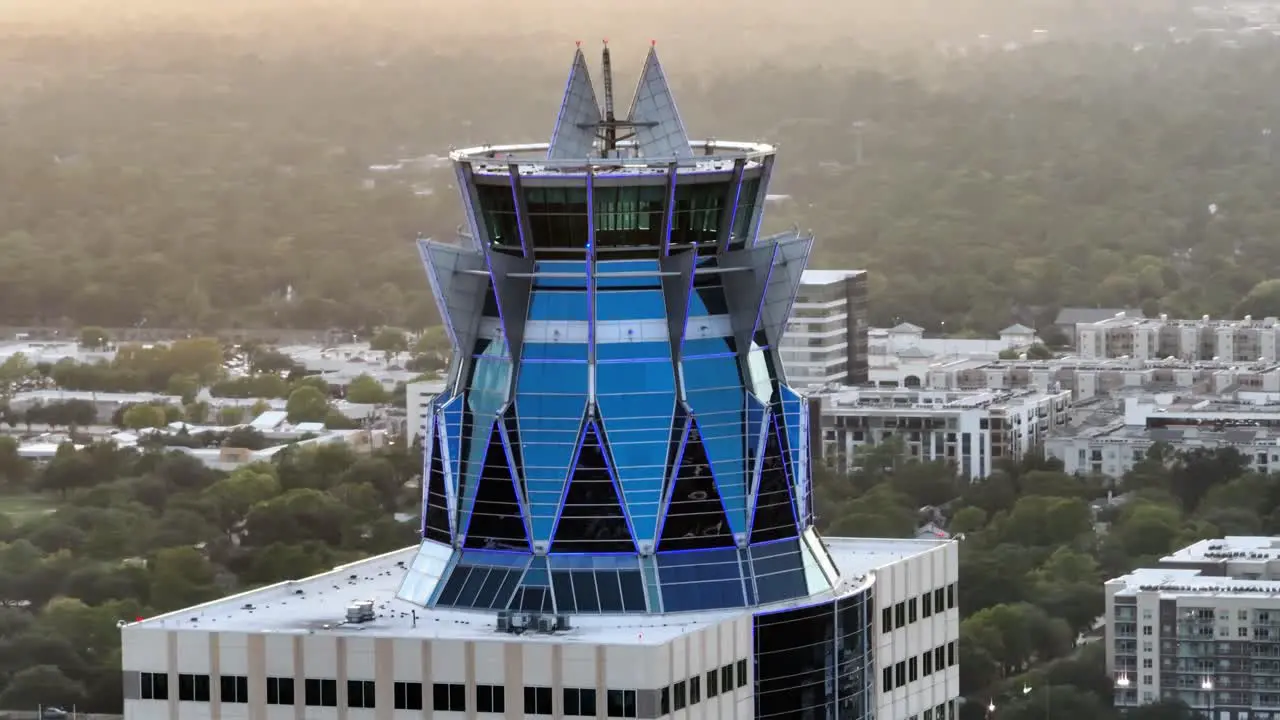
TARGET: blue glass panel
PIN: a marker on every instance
(797, 446)
(779, 571)
(554, 353)
(630, 305)
(491, 558)
(470, 594)
(561, 267)
(502, 597)
(537, 574)
(715, 395)
(632, 591)
(453, 421)
(550, 403)
(708, 348)
(609, 590)
(748, 580)
(489, 380)
(757, 414)
(562, 586)
(704, 580)
(614, 267)
(636, 402)
(453, 586)
(558, 305)
(584, 591)
(626, 352)
(480, 441)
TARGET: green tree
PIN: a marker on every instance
(390, 339)
(180, 577)
(41, 685)
(142, 416)
(307, 404)
(366, 390)
(94, 338)
(229, 415)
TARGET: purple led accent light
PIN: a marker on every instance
(568, 479)
(737, 195)
(521, 500)
(665, 508)
(617, 485)
(684, 326)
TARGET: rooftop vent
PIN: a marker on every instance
(360, 612)
(517, 623)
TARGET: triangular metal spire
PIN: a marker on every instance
(659, 132)
(575, 133)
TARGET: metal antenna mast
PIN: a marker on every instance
(610, 122)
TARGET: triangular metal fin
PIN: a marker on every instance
(659, 131)
(575, 132)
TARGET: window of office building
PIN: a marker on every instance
(449, 697)
(713, 685)
(537, 701)
(491, 698)
(407, 696)
(193, 688)
(235, 688)
(622, 703)
(580, 702)
(321, 693)
(279, 691)
(360, 694)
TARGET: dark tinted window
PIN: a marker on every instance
(498, 213)
(629, 216)
(557, 217)
(698, 212)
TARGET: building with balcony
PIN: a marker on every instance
(617, 513)
(1248, 422)
(1233, 341)
(970, 429)
(1202, 627)
(826, 337)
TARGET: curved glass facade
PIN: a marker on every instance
(815, 662)
(626, 219)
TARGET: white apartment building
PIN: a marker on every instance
(826, 337)
(295, 650)
(417, 399)
(1203, 627)
(1238, 341)
(971, 429)
(1249, 422)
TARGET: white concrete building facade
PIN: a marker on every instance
(971, 429)
(287, 652)
(826, 335)
(1200, 628)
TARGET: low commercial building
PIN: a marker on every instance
(1200, 628)
(347, 644)
(971, 429)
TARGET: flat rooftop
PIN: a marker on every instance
(1118, 430)
(1174, 581)
(827, 277)
(319, 604)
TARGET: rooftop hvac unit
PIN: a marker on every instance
(547, 623)
(360, 612)
(504, 621)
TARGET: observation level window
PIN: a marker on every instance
(498, 208)
(629, 216)
(557, 217)
(697, 215)
(747, 193)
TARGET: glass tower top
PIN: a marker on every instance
(617, 434)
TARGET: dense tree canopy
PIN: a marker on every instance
(198, 181)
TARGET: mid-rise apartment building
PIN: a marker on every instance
(826, 337)
(970, 429)
(1246, 340)
(1248, 422)
(1203, 627)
